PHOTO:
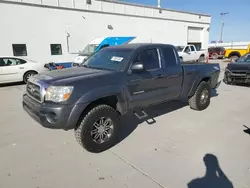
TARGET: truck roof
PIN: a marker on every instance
(139, 45)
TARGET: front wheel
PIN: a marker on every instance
(226, 80)
(214, 56)
(201, 98)
(98, 129)
(27, 75)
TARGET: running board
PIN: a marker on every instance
(144, 115)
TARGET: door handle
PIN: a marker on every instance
(21, 67)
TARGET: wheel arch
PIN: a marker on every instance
(111, 100)
(197, 83)
(28, 72)
(234, 53)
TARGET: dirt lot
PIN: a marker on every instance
(167, 153)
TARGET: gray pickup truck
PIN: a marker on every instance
(116, 80)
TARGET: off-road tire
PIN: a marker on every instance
(83, 131)
(27, 76)
(195, 100)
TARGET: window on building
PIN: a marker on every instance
(19, 49)
(56, 49)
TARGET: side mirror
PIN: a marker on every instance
(137, 67)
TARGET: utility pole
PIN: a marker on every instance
(222, 24)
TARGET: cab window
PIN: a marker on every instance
(187, 49)
(149, 58)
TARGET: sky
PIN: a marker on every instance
(237, 22)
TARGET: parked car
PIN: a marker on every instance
(16, 69)
(235, 54)
(189, 54)
(116, 80)
(216, 52)
(239, 71)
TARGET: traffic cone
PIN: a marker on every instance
(207, 59)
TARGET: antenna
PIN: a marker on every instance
(159, 4)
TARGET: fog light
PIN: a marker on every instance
(51, 117)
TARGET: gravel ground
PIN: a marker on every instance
(167, 153)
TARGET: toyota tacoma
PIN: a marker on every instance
(92, 97)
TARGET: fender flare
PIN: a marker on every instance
(199, 79)
(103, 92)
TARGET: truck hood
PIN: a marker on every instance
(70, 74)
(239, 66)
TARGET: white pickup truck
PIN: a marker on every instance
(189, 54)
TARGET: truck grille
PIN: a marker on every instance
(33, 91)
(240, 72)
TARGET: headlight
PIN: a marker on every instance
(58, 93)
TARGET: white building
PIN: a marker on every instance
(55, 30)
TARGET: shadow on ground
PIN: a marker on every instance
(238, 84)
(247, 130)
(214, 176)
(12, 84)
(130, 122)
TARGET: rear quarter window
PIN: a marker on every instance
(169, 56)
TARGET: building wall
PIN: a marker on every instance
(39, 23)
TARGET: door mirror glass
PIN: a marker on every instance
(137, 67)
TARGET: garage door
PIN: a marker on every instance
(194, 34)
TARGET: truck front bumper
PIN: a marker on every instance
(53, 116)
(237, 78)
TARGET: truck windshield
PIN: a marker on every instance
(108, 59)
(179, 48)
(88, 50)
(244, 59)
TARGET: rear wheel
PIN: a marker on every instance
(98, 129)
(201, 98)
(201, 59)
(234, 56)
(27, 75)
(215, 56)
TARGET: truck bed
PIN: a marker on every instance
(192, 72)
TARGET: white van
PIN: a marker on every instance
(102, 42)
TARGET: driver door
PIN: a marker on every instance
(145, 87)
